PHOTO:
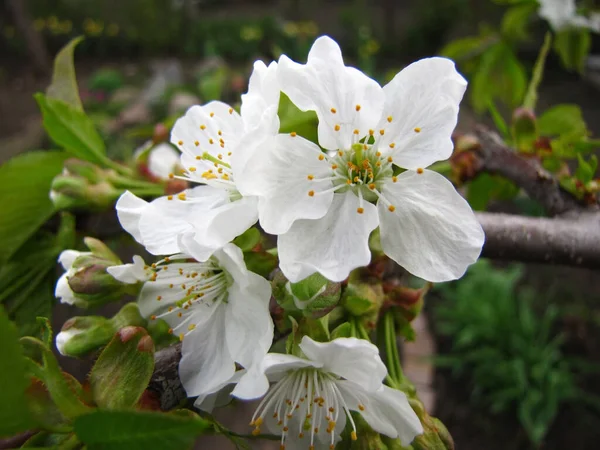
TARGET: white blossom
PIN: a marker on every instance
(562, 14)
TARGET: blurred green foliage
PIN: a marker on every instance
(505, 348)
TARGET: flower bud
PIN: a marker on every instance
(84, 334)
(524, 129)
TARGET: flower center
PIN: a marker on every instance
(362, 169)
(304, 404)
(186, 286)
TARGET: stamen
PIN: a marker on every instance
(419, 171)
(417, 130)
(357, 107)
(333, 110)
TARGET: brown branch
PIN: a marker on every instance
(493, 156)
(569, 241)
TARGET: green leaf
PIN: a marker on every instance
(72, 129)
(562, 120)
(573, 46)
(516, 19)
(488, 187)
(293, 120)
(499, 76)
(14, 414)
(123, 369)
(248, 239)
(468, 48)
(538, 72)
(64, 83)
(24, 188)
(587, 169)
(133, 430)
(343, 330)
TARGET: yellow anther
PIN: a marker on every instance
(417, 130)
(334, 166)
(209, 175)
(311, 193)
(220, 156)
(256, 432)
(341, 153)
(220, 170)
(196, 143)
(360, 210)
(390, 159)
(300, 435)
(191, 326)
(171, 285)
(220, 133)
(382, 132)
(180, 143)
(336, 128)
(212, 114)
(222, 144)
(310, 177)
(152, 317)
(192, 169)
(286, 429)
(371, 132)
(181, 336)
(203, 127)
(378, 154)
(293, 134)
(159, 298)
(331, 409)
(228, 153)
(371, 186)
(378, 163)
(356, 131)
(348, 182)
(170, 331)
(281, 446)
(389, 119)
(198, 157)
(353, 435)
(171, 175)
(394, 179)
(392, 145)
(181, 196)
(225, 176)
(391, 208)
(333, 110)
(419, 171)
(210, 141)
(357, 107)
(321, 157)
(316, 430)
(230, 110)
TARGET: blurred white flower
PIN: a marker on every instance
(562, 14)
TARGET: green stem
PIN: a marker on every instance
(391, 348)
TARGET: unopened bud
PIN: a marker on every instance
(73, 191)
(524, 129)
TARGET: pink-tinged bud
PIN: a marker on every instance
(161, 133)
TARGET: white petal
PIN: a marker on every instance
(63, 291)
(162, 160)
(386, 410)
(353, 359)
(262, 95)
(249, 326)
(129, 273)
(278, 175)
(422, 102)
(333, 245)
(206, 363)
(333, 90)
(433, 232)
(163, 220)
(198, 132)
(218, 226)
(129, 210)
(68, 257)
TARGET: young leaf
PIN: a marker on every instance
(516, 19)
(14, 414)
(562, 120)
(573, 46)
(72, 129)
(134, 430)
(24, 187)
(64, 84)
(123, 369)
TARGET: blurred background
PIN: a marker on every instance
(509, 356)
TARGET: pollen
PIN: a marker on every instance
(341, 153)
(389, 119)
(394, 179)
(212, 114)
(228, 153)
(390, 159)
(334, 166)
(371, 186)
(230, 110)
(356, 131)
(382, 132)
(417, 130)
(210, 141)
(220, 156)
(181, 336)
(181, 196)
(321, 157)
(310, 177)
(333, 110)
(169, 197)
(198, 157)
(361, 407)
(419, 171)
(220, 133)
(203, 127)
(222, 144)
(378, 154)
(171, 175)
(336, 128)
(392, 145)
(360, 210)
(192, 169)
(191, 326)
(391, 208)
(196, 143)
(358, 107)
(180, 143)
(152, 317)
(293, 134)
(353, 435)
(371, 132)
(311, 193)
(170, 331)
(159, 298)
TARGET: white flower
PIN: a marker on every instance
(62, 290)
(64, 337)
(312, 397)
(215, 142)
(131, 273)
(562, 14)
(324, 206)
(218, 309)
(162, 159)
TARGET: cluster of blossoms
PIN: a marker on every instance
(322, 202)
(561, 14)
